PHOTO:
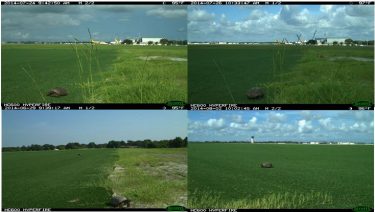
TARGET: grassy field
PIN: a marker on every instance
(63, 179)
(56, 179)
(304, 176)
(94, 74)
(289, 74)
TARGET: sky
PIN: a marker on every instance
(25, 127)
(106, 22)
(299, 125)
(269, 23)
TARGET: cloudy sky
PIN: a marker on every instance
(56, 23)
(270, 23)
(60, 127)
(355, 126)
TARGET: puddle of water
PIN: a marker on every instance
(178, 59)
(352, 58)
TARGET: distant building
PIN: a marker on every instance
(345, 143)
(145, 41)
(321, 41)
(339, 41)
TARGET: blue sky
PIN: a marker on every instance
(270, 23)
(100, 126)
(56, 23)
(354, 126)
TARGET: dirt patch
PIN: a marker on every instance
(362, 59)
(169, 170)
(116, 170)
(178, 59)
(74, 200)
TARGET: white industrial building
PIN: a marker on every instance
(145, 41)
(339, 41)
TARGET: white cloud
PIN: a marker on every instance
(264, 25)
(326, 8)
(237, 118)
(326, 123)
(168, 13)
(216, 123)
(21, 35)
(200, 15)
(245, 126)
(253, 120)
(277, 117)
(304, 126)
(359, 127)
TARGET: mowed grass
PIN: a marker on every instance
(151, 178)
(56, 179)
(304, 176)
(146, 75)
(93, 73)
(289, 74)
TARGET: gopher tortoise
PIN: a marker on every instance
(255, 93)
(118, 201)
(57, 92)
(266, 165)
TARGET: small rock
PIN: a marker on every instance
(57, 92)
(266, 165)
(255, 93)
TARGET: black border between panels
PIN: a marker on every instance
(165, 209)
(187, 3)
(167, 106)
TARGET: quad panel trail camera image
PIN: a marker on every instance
(94, 159)
(94, 54)
(284, 54)
(283, 159)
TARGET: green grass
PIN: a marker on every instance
(61, 179)
(151, 178)
(304, 176)
(289, 74)
(56, 179)
(93, 73)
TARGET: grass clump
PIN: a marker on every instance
(285, 200)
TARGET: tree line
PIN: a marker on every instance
(147, 143)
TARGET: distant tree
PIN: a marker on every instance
(348, 41)
(185, 142)
(48, 147)
(335, 42)
(36, 147)
(113, 144)
(341, 43)
(91, 145)
(312, 42)
(164, 41)
(150, 43)
(128, 41)
(74, 145)
(177, 142)
(60, 147)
